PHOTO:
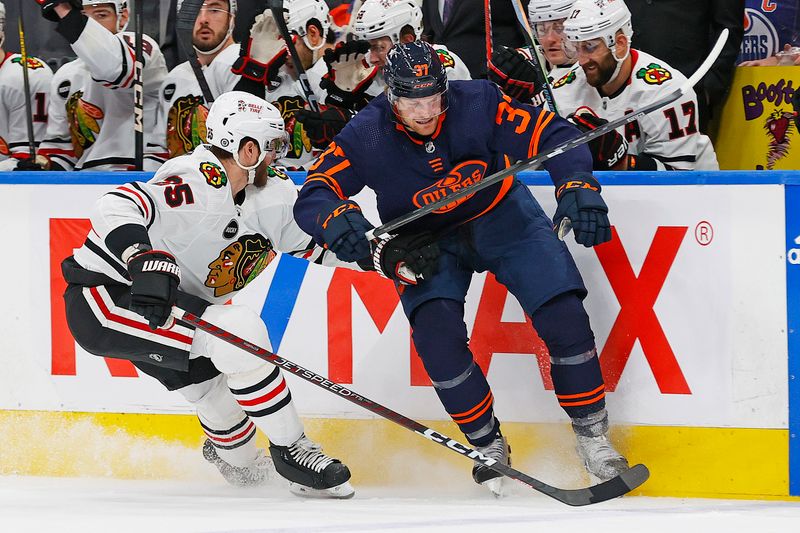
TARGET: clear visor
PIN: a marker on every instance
(420, 109)
(543, 29)
(582, 48)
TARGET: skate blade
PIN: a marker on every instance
(339, 492)
(497, 486)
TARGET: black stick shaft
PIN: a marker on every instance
(138, 89)
(26, 84)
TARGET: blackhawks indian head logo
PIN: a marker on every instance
(239, 263)
(84, 122)
(654, 74)
(298, 138)
(186, 125)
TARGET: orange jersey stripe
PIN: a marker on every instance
(487, 398)
(541, 124)
(476, 415)
(580, 394)
(329, 182)
(583, 402)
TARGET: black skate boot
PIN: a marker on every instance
(261, 471)
(310, 472)
(500, 451)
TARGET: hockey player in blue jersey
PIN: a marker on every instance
(424, 138)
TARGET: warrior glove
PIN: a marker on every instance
(349, 75)
(322, 127)
(406, 258)
(342, 228)
(609, 149)
(48, 7)
(154, 290)
(580, 202)
(264, 54)
(515, 74)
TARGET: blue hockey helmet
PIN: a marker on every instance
(414, 70)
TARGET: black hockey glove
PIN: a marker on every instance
(48, 7)
(38, 164)
(342, 229)
(579, 201)
(608, 150)
(154, 290)
(515, 74)
(322, 127)
(349, 75)
(264, 54)
(407, 258)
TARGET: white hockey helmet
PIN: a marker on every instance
(119, 6)
(386, 18)
(233, 6)
(593, 19)
(299, 13)
(2, 24)
(546, 10)
(237, 115)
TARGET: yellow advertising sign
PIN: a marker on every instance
(756, 129)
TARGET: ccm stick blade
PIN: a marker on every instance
(610, 489)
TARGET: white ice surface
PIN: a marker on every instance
(64, 505)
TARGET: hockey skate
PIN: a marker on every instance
(600, 458)
(261, 471)
(500, 451)
(310, 472)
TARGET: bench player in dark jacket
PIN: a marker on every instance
(419, 141)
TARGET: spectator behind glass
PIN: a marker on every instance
(464, 30)
(682, 32)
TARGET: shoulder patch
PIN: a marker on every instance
(32, 62)
(169, 91)
(277, 172)
(214, 174)
(653, 74)
(569, 77)
(63, 89)
(445, 57)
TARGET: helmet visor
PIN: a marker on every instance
(419, 109)
(543, 29)
(585, 48)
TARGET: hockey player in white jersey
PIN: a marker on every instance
(350, 76)
(91, 100)
(265, 62)
(182, 108)
(611, 79)
(200, 230)
(14, 141)
(513, 70)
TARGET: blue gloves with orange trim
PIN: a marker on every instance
(342, 228)
(580, 203)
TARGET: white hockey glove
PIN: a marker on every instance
(265, 52)
(349, 75)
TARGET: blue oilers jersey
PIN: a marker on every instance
(481, 132)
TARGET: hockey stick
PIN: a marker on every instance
(613, 488)
(276, 6)
(536, 56)
(387, 229)
(184, 26)
(138, 91)
(26, 86)
(487, 24)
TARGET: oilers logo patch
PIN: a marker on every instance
(214, 174)
(569, 77)
(445, 57)
(653, 74)
(32, 62)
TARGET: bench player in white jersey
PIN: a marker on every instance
(350, 76)
(91, 99)
(513, 70)
(182, 109)
(14, 141)
(265, 62)
(612, 79)
(200, 230)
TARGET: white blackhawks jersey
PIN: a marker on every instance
(91, 103)
(189, 211)
(13, 122)
(182, 110)
(669, 135)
